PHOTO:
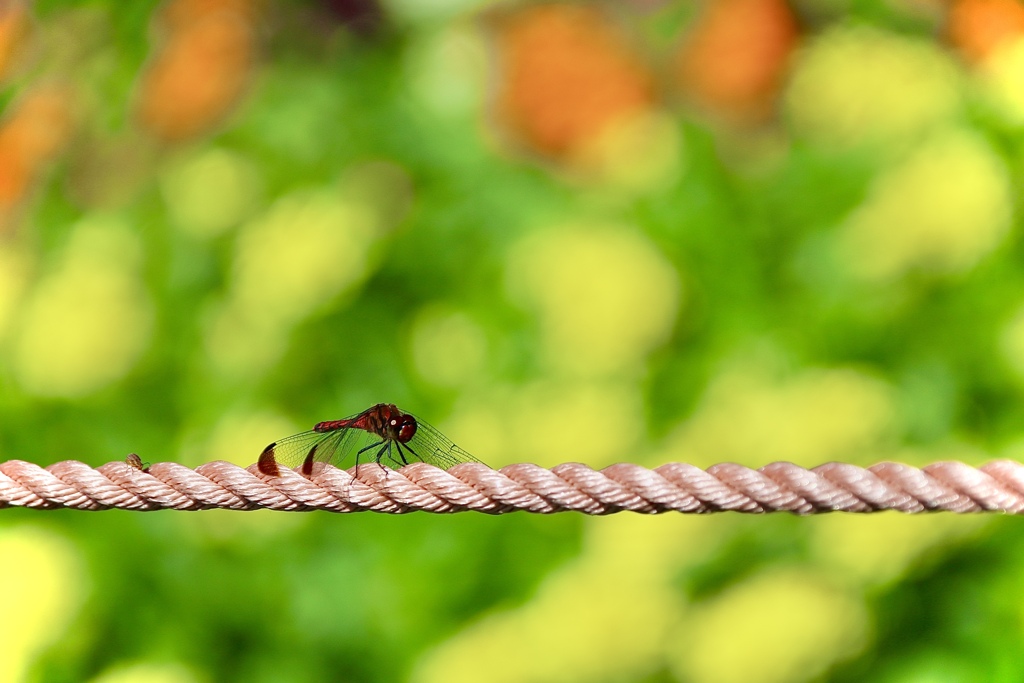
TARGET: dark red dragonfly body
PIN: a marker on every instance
(383, 434)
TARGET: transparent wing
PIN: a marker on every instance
(433, 447)
(308, 447)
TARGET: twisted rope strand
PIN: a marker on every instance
(778, 487)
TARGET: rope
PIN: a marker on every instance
(781, 486)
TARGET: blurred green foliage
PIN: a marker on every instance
(558, 232)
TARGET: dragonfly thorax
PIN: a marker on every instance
(388, 422)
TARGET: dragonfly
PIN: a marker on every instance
(382, 433)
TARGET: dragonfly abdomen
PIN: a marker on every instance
(331, 425)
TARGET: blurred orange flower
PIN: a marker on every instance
(977, 27)
(201, 68)
(565, 74)
(14, 32)
(32, 134)
(734, 59)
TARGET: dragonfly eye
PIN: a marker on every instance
(407, 430)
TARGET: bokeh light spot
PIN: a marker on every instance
(481, 427)
(306, 249)
(624, 545)
(979, 27)
(734, 58)
(309, 247)
(774, 628)
(148, 672)
(240, 345)
(942, 209)
(210, 191)
(857, 85)
(749, 417)
(605, 296)
(239, 437)
(873, 550)
(86, 323)
(565, 73)
(15, 268)
(34, 131)
(635, 155)
(43, 572)
(551, 422)
(1002, 78)
(431, 11)
(595, 423)
(448, 348)
(200, 69)
(15, 34)
(564, 634)
(446, 72)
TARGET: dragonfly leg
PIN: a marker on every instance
(401, 453)
(380, 454)
(414, 453)
(363, 450)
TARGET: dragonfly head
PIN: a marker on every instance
(402, 427)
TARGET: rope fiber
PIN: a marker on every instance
(778, 487)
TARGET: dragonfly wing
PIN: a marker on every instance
(336, 446)
(431, 446)
(301, 449)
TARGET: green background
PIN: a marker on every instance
(832, 273)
